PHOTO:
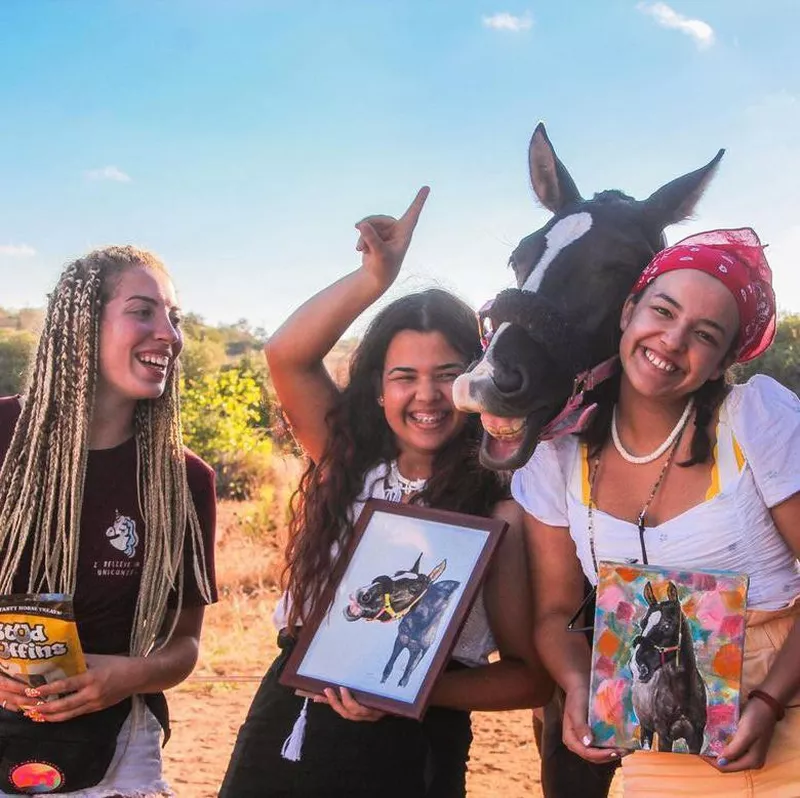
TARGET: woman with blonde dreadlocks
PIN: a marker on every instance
(100, 500)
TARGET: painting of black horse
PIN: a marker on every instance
(669, 693)
(416, 600)
(572, 276)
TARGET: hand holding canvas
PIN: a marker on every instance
(384, 241)
(576, 733)
(343, 704)
(748, 748)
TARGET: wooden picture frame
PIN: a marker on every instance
(409, 569)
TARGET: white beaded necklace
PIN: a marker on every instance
(648, 458)
(398, 486)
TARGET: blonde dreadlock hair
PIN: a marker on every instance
(42, 477)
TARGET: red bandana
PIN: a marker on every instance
(736, 258)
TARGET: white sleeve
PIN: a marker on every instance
(540, 487)
(766, 423)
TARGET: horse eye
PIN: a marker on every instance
(512, 263)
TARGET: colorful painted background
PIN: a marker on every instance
(714, 605)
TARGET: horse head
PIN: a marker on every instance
(389, 598)
(662, 633)
(573, 276)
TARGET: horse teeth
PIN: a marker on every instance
(510, 431)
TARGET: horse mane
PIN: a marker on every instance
(612, 195)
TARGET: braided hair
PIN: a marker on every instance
(42, 476)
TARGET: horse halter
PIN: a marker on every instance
(542, 321)
(664, 651)
(389, 613)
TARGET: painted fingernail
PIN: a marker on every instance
(32, 692)
(722, 761)
(587, 740)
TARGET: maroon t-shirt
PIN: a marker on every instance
(110, 554)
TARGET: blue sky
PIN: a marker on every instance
(242, 139)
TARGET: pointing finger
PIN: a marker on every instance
(411, 216)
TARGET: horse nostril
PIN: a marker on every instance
(508, 380)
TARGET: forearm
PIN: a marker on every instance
(165, 667)
(304, 339)
(505, 684)
(565, 654)
(783, 680)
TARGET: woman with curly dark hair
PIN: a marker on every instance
(392, 432)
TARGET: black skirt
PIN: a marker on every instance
(392, 757)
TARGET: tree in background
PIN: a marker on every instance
(782, 359)
(16, 350)
(222, 415)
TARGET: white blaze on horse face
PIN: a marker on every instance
(633, 664)
(564, 232)
(652, 622)
(481, 374)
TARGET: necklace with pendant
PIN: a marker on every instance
(398, 486)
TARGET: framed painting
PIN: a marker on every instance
(667, 658)
(393, 617)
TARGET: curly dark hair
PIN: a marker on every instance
(321, 525)
(707, 398)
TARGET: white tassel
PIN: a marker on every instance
(293, 745)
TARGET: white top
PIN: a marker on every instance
(474, 644)
(756, 466)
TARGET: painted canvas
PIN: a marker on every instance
(666, 658)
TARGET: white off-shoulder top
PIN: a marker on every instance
(756, 467)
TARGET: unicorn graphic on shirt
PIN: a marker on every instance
(122, 535)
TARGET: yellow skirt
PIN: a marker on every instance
(655, 775)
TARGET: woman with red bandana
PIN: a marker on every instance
(714, 472)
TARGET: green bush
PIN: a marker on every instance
(222, 422)
(16, 350)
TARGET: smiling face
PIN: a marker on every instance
(678, 335)
(417, 394)
(140, 337)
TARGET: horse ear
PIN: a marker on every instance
(437, 571)
(672, 592)
(415, 568)
(676, 201)
(649, 596)
(550, 179)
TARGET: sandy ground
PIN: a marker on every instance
(206, 719)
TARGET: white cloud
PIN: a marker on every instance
(506, 21)
(17, 251)
(700, 31)
(109, 173)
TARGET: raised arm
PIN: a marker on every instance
(295, 351)
(557, 581)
